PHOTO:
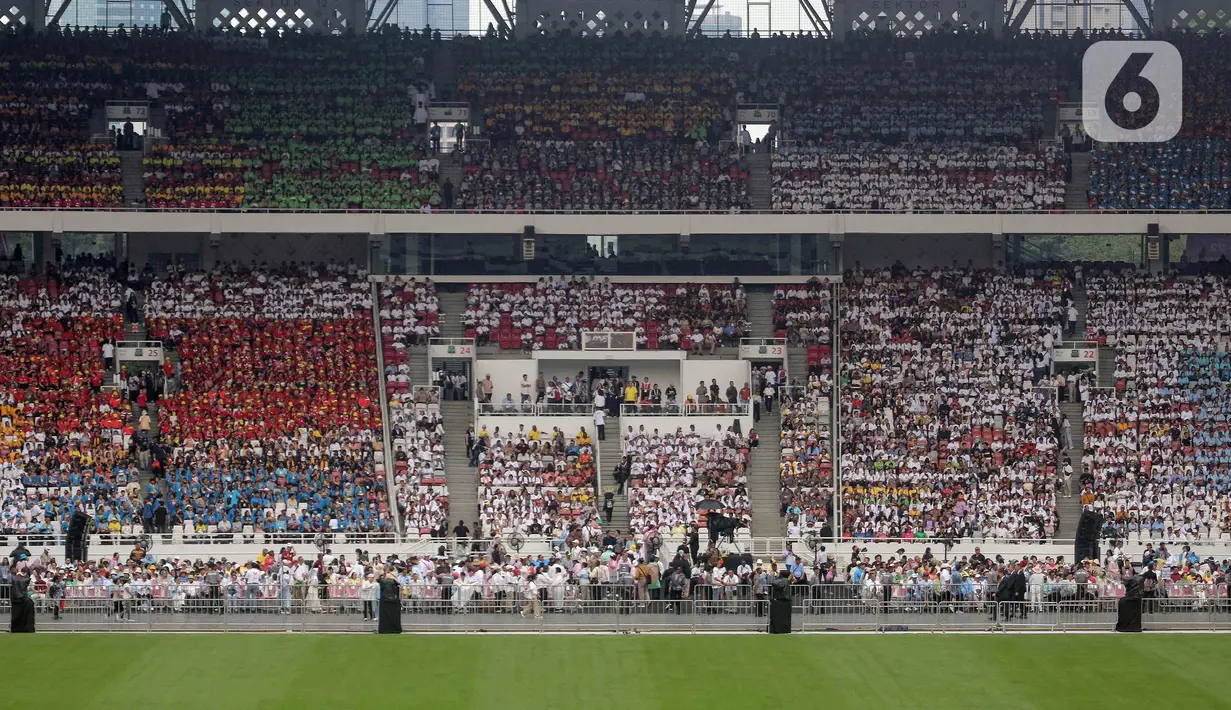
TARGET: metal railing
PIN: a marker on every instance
(177, 535)
(608, 340)
(518, 409)
(432, 392)
(687, 409)
(461, 607)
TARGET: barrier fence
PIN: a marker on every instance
(573, 607)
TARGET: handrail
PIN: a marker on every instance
(762, 341)
(686, 410)
(498, 409)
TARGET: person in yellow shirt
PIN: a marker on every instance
(630, 394)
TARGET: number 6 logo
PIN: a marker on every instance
(1132, 92)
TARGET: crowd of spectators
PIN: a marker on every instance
(803, 313)
(604, 175)
(563, 88)
(420, 486)
(946, 121)
(552, 313)
(925, 176)
(409, 317)
(535, 482)
(243, 131)
(278, 421)
(51, 86)
(806, 469)
(1188, 172)
(588, 570)
(64, 443)
(944, 433)
(670, 473)
(1157, 442)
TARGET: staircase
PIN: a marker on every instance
(463, 481)
(452, 304)
(1079, 300)
(135, 330)
(417, 363)
(132, 170)
(444, 70)
(764, 479)
(1068, 510)
(1076, 198)
(761, 311)
(796, 365)
(1106, 366)
(610, 452)
(1050, 115)
(759, 182)
(451, 170)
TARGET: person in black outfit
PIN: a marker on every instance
(694, 543)
(780, 603)
(447, 191)
(21, 612)
(390, 621)
(461, 530)
(1128, 616)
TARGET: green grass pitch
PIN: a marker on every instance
(672, 672)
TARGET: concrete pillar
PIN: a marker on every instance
(378, 252)
(835, 242)
(998, 251)
(45, 244)
(210, 246)
(1154, 254)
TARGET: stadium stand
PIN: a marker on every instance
(1188, 172)
(278, 420)
(47, 158)
(939, 122)
(944, 432)
(535, 482)
(803, 315)
(552, 312)
(671, 473)
(645, 136)
(1158, 437)
(409, 316)
(245, 132)
(65, 443)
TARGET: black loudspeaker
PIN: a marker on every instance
(1152, 229)
(74, 544)
(1088, 528)
(529, 244)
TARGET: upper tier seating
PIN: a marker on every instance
(940, 122)
(246, 132)
(50, 87)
